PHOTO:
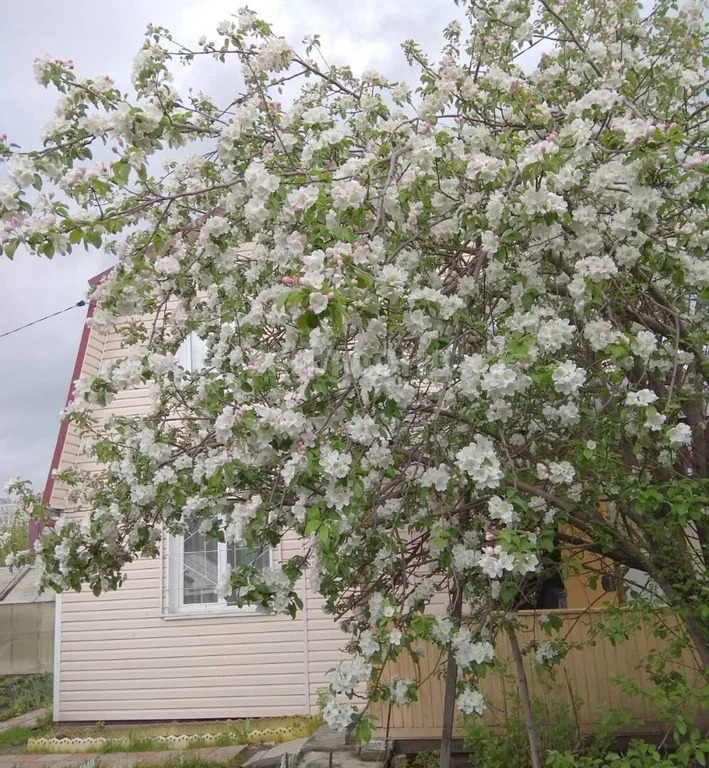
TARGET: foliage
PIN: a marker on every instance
(24, 693)
(674, 693)
(448, 327)
(563, 747)
(425, 760)
(508, 745)
(639, 754)
(13, 537)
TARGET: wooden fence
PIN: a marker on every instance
(582, 680)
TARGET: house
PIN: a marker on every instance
(165, 647)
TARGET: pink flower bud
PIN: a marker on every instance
(288, 280)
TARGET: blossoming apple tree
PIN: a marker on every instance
(449, 327)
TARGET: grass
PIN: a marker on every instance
(138, 743)
(23, 693)
(16, 736)
(143, 738)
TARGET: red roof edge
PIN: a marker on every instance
(35, 525)
(96, 279)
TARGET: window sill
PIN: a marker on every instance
(220, 613)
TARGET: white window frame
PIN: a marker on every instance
(176, 544)
(176, 584)
(187, 353)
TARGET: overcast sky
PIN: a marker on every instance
(36, 364)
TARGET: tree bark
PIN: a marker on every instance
(532, 736)
(451, 680)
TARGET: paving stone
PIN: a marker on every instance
(117, 759)
(254, 759)
(326, 740)
(73, 762)
(224, 754)
(35, 761)
(375, 751)
(273, 757)
(335, 760)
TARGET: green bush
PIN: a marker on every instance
(508, 745)
(23, 693)
(640, 754)
(563, 747)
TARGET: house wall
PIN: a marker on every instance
(123, 656)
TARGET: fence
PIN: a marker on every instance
(26, 638)
(582, 680)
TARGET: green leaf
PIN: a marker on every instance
(364, 731)
(121, 172)
(311, 526)
(93, 238)
(10, 249)
(345, 234)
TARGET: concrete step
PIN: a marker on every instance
(326, 740)
(278, 755)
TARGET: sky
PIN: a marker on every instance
(102, 39)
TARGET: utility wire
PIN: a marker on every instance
(81, 303)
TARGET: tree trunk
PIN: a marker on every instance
(451, 680)
(532, 736)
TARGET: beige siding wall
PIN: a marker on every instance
(70, 454)
(124, 656)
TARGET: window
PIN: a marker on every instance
(545, 590)
(197, 564)
(192, 353)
